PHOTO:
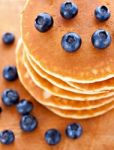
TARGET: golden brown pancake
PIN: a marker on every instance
(48, 99)
(90, 88)
(88, 64)
(54, 90)
(97, 86)
(56, 81)
(37, 93)
(84, 114)
(70, 86)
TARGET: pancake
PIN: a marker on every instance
(90, 88)
(55, 81)
(87, 65)
(75, 114)
(97, 86)
(47, 86)
(84, 114)
(47, 99)
(74, 87)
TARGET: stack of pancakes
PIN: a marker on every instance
(72, 85)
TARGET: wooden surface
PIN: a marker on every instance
(98, 132)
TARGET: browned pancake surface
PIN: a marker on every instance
(87, 64)
(76, 114)
(50, 100)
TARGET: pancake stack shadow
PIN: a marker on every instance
(65, 96)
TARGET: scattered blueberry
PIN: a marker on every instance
(102, 13)
(8, 38)
(74, 130)
(101, 39)
(53, 137)
(43, 22)
(7, 137)
(10, 97)
(10, 73)
(0, 109)
(68, 10)
(71, 42)
(28, 123)
(24, 107)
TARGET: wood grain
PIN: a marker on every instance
(98, 132)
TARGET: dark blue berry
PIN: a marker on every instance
(0, 109)
(28, 123)
(68, 10)
(8, 38)
(71, 42)
(53, 137)
(7, 137)
(24, 107)
(101, 39)
(43, 22)
(10, 73)
(102, 13)
(10, 97)
(74, 130)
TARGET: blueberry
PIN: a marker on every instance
(7, 137)
(28, 123)
(24, 107)
(10, 73)
(0, 109)
(102, 13)
(71, 42)
(43, 22)
(53, 137)
(10, 97)
(101, 39)
(8, 38)
(68, 10)
(74, 130)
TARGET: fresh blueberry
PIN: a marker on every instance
(53, 137)
(68, 10)
(7, 137)
(8, 38)
(101, 39)
(10, 73)
(71, 42)
(10, 97)
(102, 13)
(28, 123)
(24, 107)
(74, 130)
(43, 22)
(0, 109)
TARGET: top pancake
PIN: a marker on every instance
(88, 64)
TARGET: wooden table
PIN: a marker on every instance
(98, 132)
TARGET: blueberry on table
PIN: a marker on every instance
(102, 13)
(28, 123)
(68, 10)
(101, 39)
(43, 22)
(10, 73)
(24, 107)
(71, 42)
(74, 130)
(7, 137)
(8, 38)
(52, 137)
(10, 97)
(0, 109)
